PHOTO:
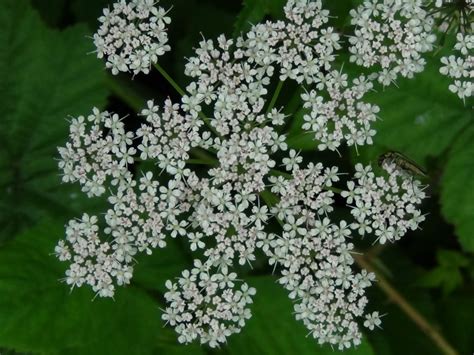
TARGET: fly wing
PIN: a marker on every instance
(410, 165)
(403, 162)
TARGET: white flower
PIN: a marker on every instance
(208, 305)
(372, 320)
(461, 67)
(293, 161)
(90, 157)
(132, 36)
(315, 260)
(385, 205)
(62, 251)
(338, 113)
(302, 46)
(196, 242)
(391, 36)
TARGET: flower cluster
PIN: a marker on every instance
(167, 136)
(303, 46)
(343, 116)
(384, 206)
(132, 36)
(135, 221)
(315, 257)
(226, 121)
(207, 306)
(90, 157)
(460, 67)
(391, 36)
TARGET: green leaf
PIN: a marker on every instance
(447, 274)
(40, 314)
(297, 137)
(273, 328)
(450, 258)
(304, 141)
(254, 11)
(89, 11)
(339, 12)
(46, 76)
(420, 118)
(396, 325)
(457, 189)
(152, 271)
(51, 11)
(457, 316)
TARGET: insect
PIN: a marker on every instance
(402, 162)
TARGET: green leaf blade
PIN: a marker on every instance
(46, 76)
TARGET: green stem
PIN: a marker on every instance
(275, 96)
(125, 92)
(271, 200)
(198, 162)
(277, 172)
(204, 156)
(397, 298)
(333, 189)
(180, 91)
(170, 79)
(208, 124)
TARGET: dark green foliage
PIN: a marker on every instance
(46, 75)
(254, 11)
(448, 274)
(420, 117)
(457, 190)
(403, 274)
(39, 314)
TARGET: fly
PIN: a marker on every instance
(402, 162)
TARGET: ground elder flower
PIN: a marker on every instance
(132, 36)
(391, 36)
(314, 256)
(168, 136)
(385, 206)
(460, 67)
(99, 151)
(227, 122)
(303, 46)
(207, 304)
(90, 156)
(372, 320)
(341, 115)
(304, 49)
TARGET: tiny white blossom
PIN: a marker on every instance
(372, 320)
(460, 67)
